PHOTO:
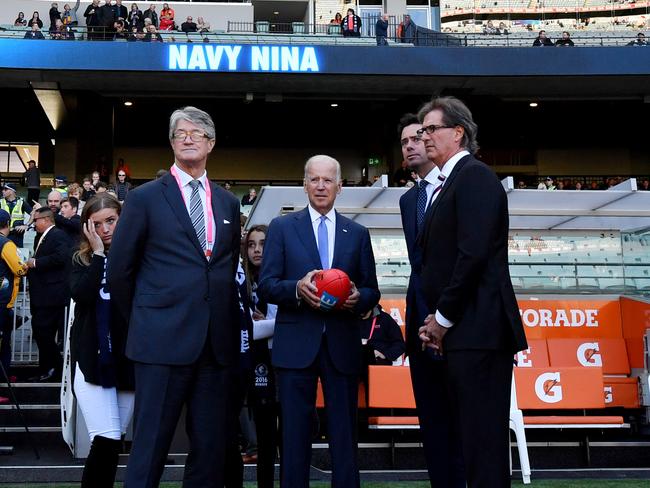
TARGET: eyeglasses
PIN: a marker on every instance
(195, 135)
(121, 174)
(414, 139)
(430, 129)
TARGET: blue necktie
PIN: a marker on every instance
(196, 213)
(422, 201)
(323, 243)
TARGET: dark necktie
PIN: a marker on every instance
(196, 213)
(422, 202)
(441, 178)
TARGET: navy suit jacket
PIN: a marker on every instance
(416, 305)
(290, 252)
(465, 272)
(173, 297)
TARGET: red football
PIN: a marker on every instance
(333, 288)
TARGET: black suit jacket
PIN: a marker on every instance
(160, 280)
(416, 304)
(48, 285)
(465, 261)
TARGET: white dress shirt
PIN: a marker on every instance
(432, 179)
(187, 193)
(330, 223)
(446, 170)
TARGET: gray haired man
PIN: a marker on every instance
(172, 277)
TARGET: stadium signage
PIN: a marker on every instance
(559, 317)
(209, 57)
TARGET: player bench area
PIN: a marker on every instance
(558, 383)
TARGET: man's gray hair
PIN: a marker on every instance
(454, 112)
(195, 116)
(325, 158)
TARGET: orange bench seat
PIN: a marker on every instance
(389, 422)
(574, 421)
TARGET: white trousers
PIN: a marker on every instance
(107, 412)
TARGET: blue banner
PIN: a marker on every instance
(319, 59)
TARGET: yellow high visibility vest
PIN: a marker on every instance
(16, 214)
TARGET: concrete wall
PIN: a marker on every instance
(241, 163)
(218, 14)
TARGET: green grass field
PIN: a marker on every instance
(412, 484)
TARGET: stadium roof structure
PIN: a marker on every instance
(621, 208)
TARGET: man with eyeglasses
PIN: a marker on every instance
(441, 444)
(121, 186)
(48, 295)
(474, 320)
(171, 274)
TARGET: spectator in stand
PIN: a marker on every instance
(122, 166)
(107, 20)
(54, 201)
(490, 29)
(36, 19)
(202, 25)
(351, 24)
(60, 31)
(408, 30)
(521, 185)
(48, 291)
(102, 376)
(16, 207)
(578, 185)
(133, 35)
(189, 25)
(135, 17)
(167, 18)
(120, 30)
(503, 29)
(32, 179)
(54, 15)
(69, 16)
(11, 269)
(152, 35)
(560, 185)
(639, 41)
(381, 30)
(593, 186)
(122, 186)
(120, 12)
(402, 175)
(251, 198)
(88, 190)
(549, 183)
(69, 221)
(381, 339)
(93, 20)
(21, 21)
(565, 41)
(95, 178)
(338, 18)
(102, 187)
(74, 190)
(151, 14)
(542, 40)
(35, 33)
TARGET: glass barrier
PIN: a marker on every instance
(548, 261)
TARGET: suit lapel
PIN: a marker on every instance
(410, 212)
(445, 189)
(173, 195)
(340, 238)
(219, 213)
(305, 232)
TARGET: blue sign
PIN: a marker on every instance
(321, 59)
(209, 57)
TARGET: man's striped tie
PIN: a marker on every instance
(196, 213)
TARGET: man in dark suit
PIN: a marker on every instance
(309, 343)
(172, 275)
(466, 281)
(439, 440)
(48, 291)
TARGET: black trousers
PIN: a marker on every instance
(46, 322)
(440, 437)
(266, 417)
(479, 385)
(33, 194)
(298, 402)
(160, 393)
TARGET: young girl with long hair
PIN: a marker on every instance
(102, 379)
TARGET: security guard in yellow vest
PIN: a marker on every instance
(17, 208)
(61, 185)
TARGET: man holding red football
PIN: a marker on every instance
(312, 343)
